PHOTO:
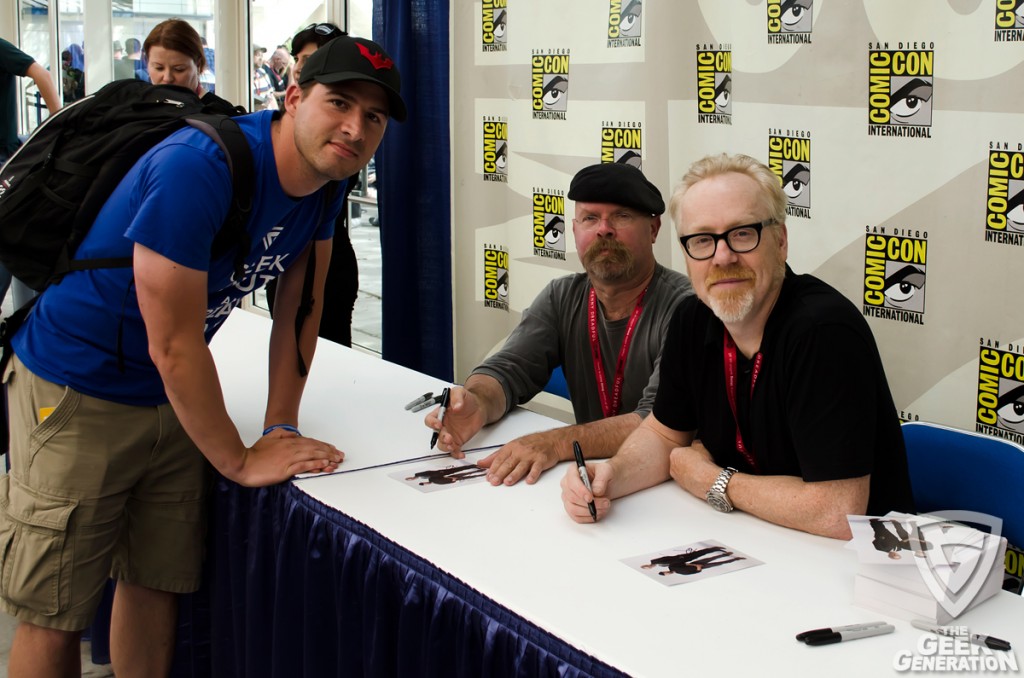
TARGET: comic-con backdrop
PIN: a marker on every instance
(896, 130)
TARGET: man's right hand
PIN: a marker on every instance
(462, 420)
(280, 455)
(575, 495)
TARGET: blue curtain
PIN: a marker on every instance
(300, 590)
(414, 196)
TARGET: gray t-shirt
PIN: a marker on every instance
(553, 332)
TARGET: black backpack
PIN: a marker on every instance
(53, 187)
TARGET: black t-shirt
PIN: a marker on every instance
(821, 407)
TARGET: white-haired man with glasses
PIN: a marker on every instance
(772, 398)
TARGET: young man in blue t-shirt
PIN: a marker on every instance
(114, 397)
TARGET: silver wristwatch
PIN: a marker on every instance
(716, 495)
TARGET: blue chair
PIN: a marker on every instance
(959, 470)
(556, 384)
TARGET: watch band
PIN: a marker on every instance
(717, 496)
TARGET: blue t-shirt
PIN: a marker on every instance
(173, 201)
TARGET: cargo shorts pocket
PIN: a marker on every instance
(35, 571)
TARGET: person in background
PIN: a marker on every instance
(16, 64)
(278, 69)
(262, 90)
(605, 327)
(342, 286)
(778, 373)
(175, 56)
(118, 50)
(135, 59)
(73, 73)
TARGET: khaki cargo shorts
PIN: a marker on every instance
(96, 489)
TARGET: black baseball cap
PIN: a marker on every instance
(347, 58)
(616, 184)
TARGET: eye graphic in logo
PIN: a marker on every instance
(1010, 409)
(1015, 210)
(796, 185)
(500, 27)
(503, 286)
(554, 233)
(501, 158)
(911, 103)
(554, 94)
(723, 94)
(629, 26)
(796, 16)
(904, 289)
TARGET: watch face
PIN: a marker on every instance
(719, 503)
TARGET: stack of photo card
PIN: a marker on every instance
(924, 567)
(684, 564)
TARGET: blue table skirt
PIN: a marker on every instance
(296, 588)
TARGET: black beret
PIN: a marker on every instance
(616, 184)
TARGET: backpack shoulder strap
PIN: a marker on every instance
(230, 138)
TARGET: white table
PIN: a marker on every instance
(527, 555)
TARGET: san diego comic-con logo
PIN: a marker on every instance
(495, 149)
(624, 23)
(895, 270)
(622, 142)
(1001, 391)
(900, 83)
(549, 82)
(549, 223)
(714, 84)
(494, 24)
(1009, 21)
(789, 21)
(1004, 199)
(495, 277)
(789, 157)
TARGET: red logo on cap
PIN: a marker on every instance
(377, 59)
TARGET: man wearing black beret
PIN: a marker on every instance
(604, 327)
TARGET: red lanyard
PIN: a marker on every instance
(610, 405)
(729, 351)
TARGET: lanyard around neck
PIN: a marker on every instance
(729, 352)
(610, 403)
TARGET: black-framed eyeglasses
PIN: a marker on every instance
(740, 239)
(325, 29)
